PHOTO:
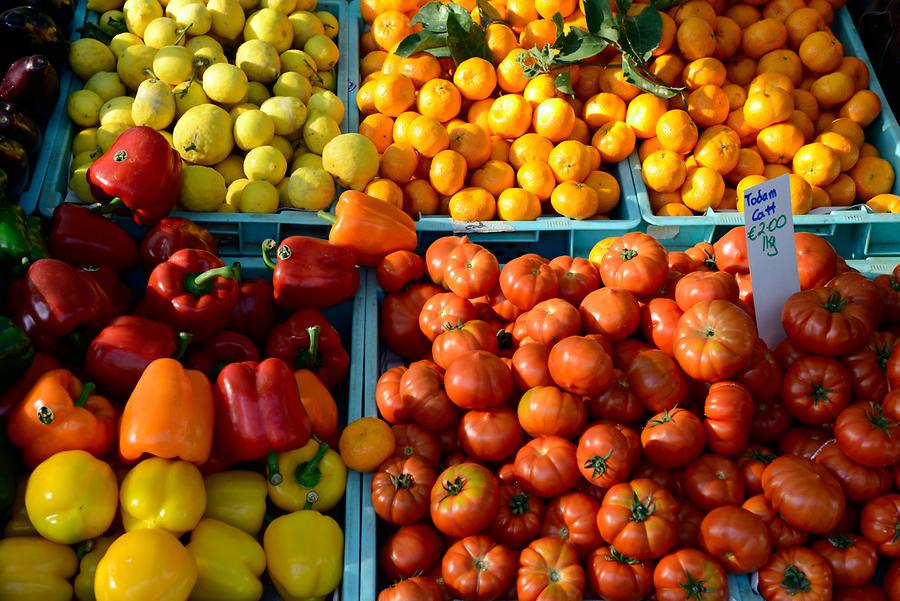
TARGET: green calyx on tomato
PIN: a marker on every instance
(519, 503)
(693, 588)
(876, 417)
(505, 340)
(628, 253)
(757, 454)
(642, 510)
(597, 463)
(795, 581)
(819, 394)
(402, 481)
(835, 302)
(841, 541)
(455, 487)
(617, 556)
(666, 417)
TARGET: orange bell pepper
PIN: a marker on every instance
(370, 227)
(169, 414)
(319, 405)
(59, 414)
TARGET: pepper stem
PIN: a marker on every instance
(103, 209)
(308, 473)
(184, 340)
(86, 391)
(201, 284)
(272, 467)
(309, 358)
(267, 246)
(326, 216)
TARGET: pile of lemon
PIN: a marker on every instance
(242, 89)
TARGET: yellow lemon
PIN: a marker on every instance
(284, 146)
(173, 64)
(270, 25)
(227, 18)
(239, 109)
(259, 60)
(307, 159)
(133, 65)
(88, 56)
(329, 22)
(83, 108)
(104, 5)
(306, 4)
(154, 105)
(265, 163)
(203, 41)
(311, 188)
(288, 113)
(188, 95)
(235, 189)
(293, 84)
(202, 188)
(327, 103)
(171, 8)
(113, 20)
(163, 31)
(106, 84)
(352, 160)
(78, 184)
(139, 13)
(323, 50)
(108, 134)
(194, 15)
(121, 41)
(252, 129)
(284, 201)
(203, 135)
(298, 61)
(319, 130)
(231, 169)
(282, 6)
(117, 110)
(85, 158)
(258, 197)
(305, 25)
(225, 83)
(326, 80)
(85, 141)
(257, 93)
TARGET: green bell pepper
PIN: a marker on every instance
(16, 352)
(21, 243)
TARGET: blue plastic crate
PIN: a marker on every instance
(854, 233)
(238, 233)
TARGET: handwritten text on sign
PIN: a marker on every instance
(772, 252)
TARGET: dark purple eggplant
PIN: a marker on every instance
(27, 30)
(14, 161)
(33, 82)
(19, 126)
(60, 11)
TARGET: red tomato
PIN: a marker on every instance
(737, 536)
(703, 254)
(478, 379)
(728, 412)
(852, 558)
(889, 291)
(816, 389)
(797, 574)
(645, 469)
(527, 280)
(399, 321)
(417, 588)
(547, 466)
(422, 390)
(770, 421)
(868, 436)
(804, 442)
(730, 252)
(617, 403)
(390, 403)
(414, 440)
(858, 289)
(470, 270)
(477, 568)
(712, 481)
(442, 309)
(672, 439)
(805, 493)
(714, 340)
(824, 321)
(504, 309)
(682, 262)
(552, 320)
(689, 519)
(458, 339)
(411, 550)
(464, 500)
(449, 440)
(635, 262)
(573, 518)
(892, 580)
(519, 518)
(613, 313)
(861, 484)
(529, 366)
(761, 376)
(783, 534)
(549, 569)
(549, 411)
(863, 592)
(616, 577)
(690, 574)
(880, 522)
(893, 368)
(400, 490)
(816, 260)
(398, 269)
(705, 286)
(867, 375)
(577, 277)
(659, 318)
(491, 434)
(604, 456)
(624, 352)
(436, 256)
(786, 353)
(580, 365)
(657, 381)
(639, 518)
(752, 461)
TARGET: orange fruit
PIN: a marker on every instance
(371, 62)
(516, 204)
(749, 163)
(667, 36)
(510, 116)
(648, 147)
(580, 132)
(873, 176)
(398, 163)
(367, 42)
(452, 124)
(842, 191)
(401, 125)
(824, 8)
(440, 99)
(494, 176)
(745, 184)
(615, 82)
(774, 170)
(824, 121)
(696, 38)
(718, 148)
(602, 108)
(420, 67)
(728, 38)
(370, 9)
(703, 189)
(821, 52)
(537, 177)
(366, 443)
(884, 203)
(472, 143)
(818, 164)
(499, 149)
(782, 61)
(849, 128)
(386, 190)
(820, 198)
(801, 23)
(768, 107)
(807, 127)
(403, 6)
(378, 128)
(664, 171)
(729, 200)
(570, 161)
(473, 204)
(741, 70)
(391, 63)
(675, 209)
(615, 141)
(511, 74)
(389, 28)
(703, 72)
(801, 195)
(780, 142)
(476, 14)
(554, 119)
(420, 197)
(833, 89)
(574, 200)
(846, 150)
(427, 136)
(607, 188)
(869, 150)
(668, 67)
(708, 106)
(530, 147)
(763, 36)
(769, 81)
(660, 199)
(365, 98)
(857, 70)
(475, 78)
(806, 102)
(501, 40)
(862, 108)
(737, 122)
(743, 14)
(520, 13)
(694, 8)
(394, 94)
(478, 113)
(447, 173)
(537, 34)
(643, 113)
(780, 9)
(676, 131)
(737, 95)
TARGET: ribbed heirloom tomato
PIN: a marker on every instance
(880, 521)
(736, 536)
(580, 365)
(796, 574)
(728, 412)
(604, 455)
(413, 439)
(783, 534)
(470, 270)
(712, 481)
(399, 320)
(573, 518)
(639, 518)
(714, 340)
(478, 568)
(458, 339)
(478, 379)
(464, 499)
(617, 403)
(398, 269)
(613, 313)
(659, 318)
(705, 285)
(422, 392)
(577, 277)
(400, 490)
(547, 466)
(549, 411)
(551, 320)
(527, 280)
(617, 577)
(852, 558)
(825, 321)
(805, 494)
(861, 484)
(868, 436)
(529, 366)
(549, 569)
(672, 439)
(635, 262)
(816, 389)
(519, 519)
(436, 256)
(492, 434)
(690, 574)
(411, 550)
(441, 309)
(656, 380)
(417, 588)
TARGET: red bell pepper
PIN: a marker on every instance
(254, 313)
(307, 341)
(171, 235)
(81, 237)
(141, 171)
(54, 300)
(193, 291)
(41, 364)
(258, 413)
(221, 349)
(121, 351)
(311, 273)
(120, 295)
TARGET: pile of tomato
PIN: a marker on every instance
(615, 428)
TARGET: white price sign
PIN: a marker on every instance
(772, 251)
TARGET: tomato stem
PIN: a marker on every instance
(835, 302)
(841, 541)
(598, 464)
(693, 588)
(819, 394)
(618, 556)
(455, 487)
(402, 481)
(628, 253)
(519, 503)
(642, 510)
(875, 415)
(795, 581)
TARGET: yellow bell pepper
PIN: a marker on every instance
(145, 565)
(93, 550)
(34, 569)
(305, 555)
(237, 498)
(19, 524)
(71, 497)
(314, 478)
(229, 563)
(163, 493)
